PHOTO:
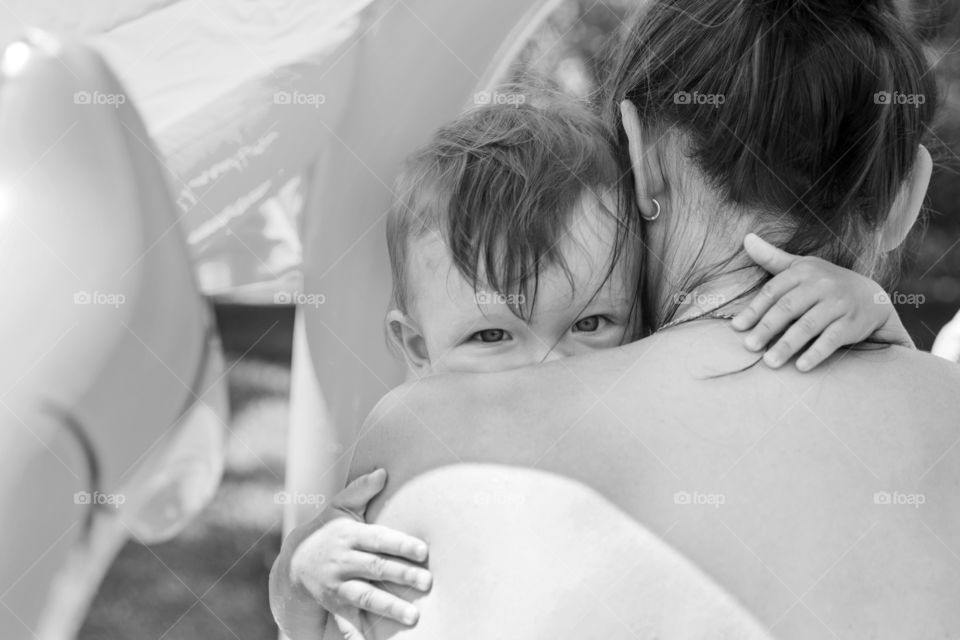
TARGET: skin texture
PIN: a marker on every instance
(782, 485)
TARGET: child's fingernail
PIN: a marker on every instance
(773, 359)
(803, 364)
(409, 616)
(423, 580)
(752, 343)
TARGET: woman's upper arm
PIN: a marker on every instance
(396, 437)
(548, 557)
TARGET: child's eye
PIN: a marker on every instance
(589, 324)
(489, 336)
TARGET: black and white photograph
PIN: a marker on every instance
(480, 319)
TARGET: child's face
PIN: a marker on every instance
(451, 327)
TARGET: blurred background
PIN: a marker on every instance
(211, 581)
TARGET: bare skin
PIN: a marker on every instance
(823, 502)
(800, 538)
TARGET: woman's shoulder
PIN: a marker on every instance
(700, 379)
(508, 418)
(892, 376)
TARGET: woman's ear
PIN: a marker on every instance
(906, 208)
(648, 178)
(406, 337)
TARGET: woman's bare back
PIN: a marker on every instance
(822, 502)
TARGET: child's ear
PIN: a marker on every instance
(406, 337)
(906, 208)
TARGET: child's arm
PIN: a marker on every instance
(809, 298)
(337, 562)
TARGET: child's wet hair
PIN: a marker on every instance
(499, 186)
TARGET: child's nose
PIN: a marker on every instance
(553, 352)
(551, 355)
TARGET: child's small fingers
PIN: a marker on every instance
(778, 317)
(375, 568)
(771, 258)
(361, 491)
(379, 539)
(349, 626)
(366, 597)
(824, 347)
(813, 323)
(766, 298)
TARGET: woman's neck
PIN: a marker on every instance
(718, 275)
(699, 265)
(727, 293)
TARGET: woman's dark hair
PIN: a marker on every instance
(812, 110)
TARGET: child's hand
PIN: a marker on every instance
(347, 557)
(811, 298)
(947, 344)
